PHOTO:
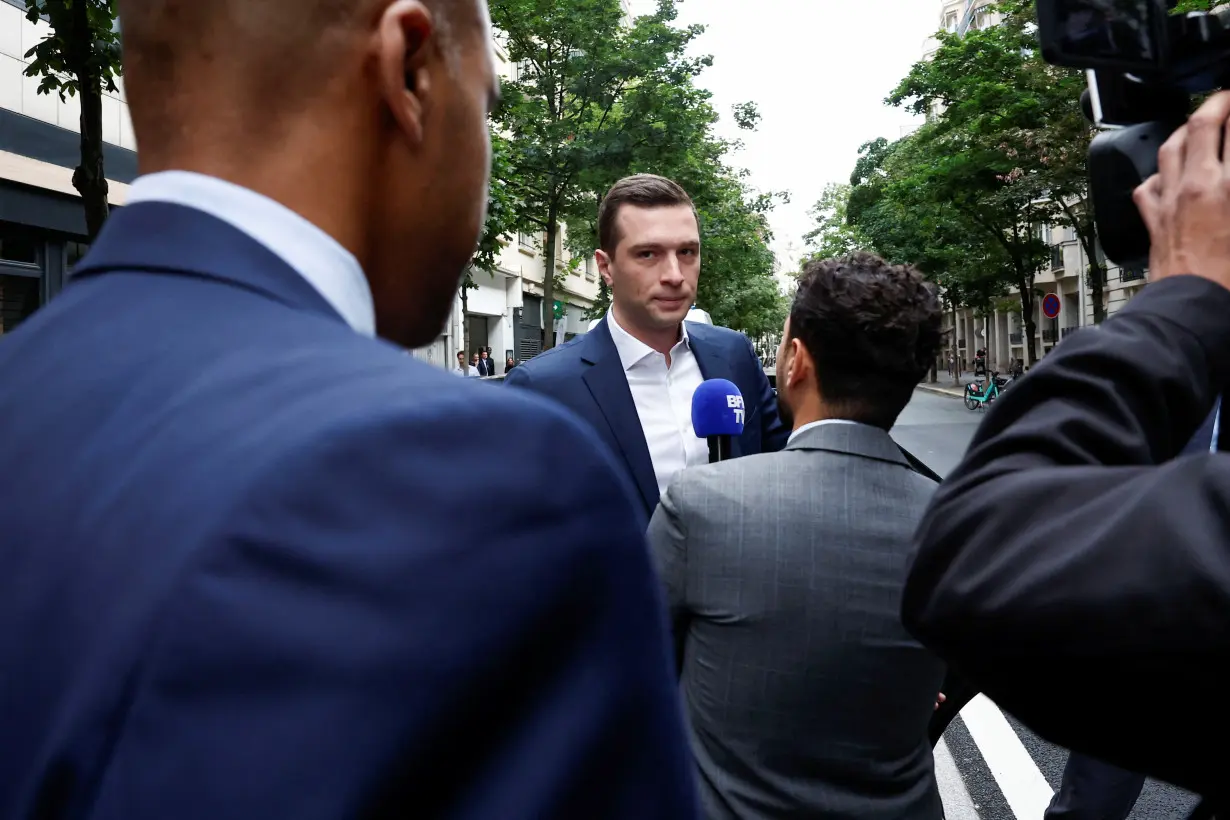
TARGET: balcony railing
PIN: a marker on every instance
(1067, 331)
(1057, 258)
(1050, 334)
(1131, 274)
(1016, 338)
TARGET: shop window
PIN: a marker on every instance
(19, 298)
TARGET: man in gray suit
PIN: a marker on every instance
(806, 696)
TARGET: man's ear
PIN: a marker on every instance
(604, 266)
(801, 364)
(405, 45)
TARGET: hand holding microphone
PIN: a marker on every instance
(718, 414)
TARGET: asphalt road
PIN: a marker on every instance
(989, 766)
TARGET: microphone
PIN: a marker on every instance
(717, 415)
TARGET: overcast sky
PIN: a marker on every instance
(819, 71)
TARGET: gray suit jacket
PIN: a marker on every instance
(805, 695)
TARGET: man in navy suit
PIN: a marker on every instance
(632, 376)
(241, 572)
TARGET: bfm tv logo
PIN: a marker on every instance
(736, 403)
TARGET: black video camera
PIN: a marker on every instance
(1144, 64)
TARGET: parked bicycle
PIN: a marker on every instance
(979, 394)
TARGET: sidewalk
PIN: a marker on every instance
(945, 387)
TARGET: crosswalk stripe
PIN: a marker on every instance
(958, 805)
(1017, 775)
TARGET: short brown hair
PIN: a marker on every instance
(873, 331)
(641, 191)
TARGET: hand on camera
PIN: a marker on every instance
(1186, 205)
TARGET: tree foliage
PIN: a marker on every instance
(596, 100)
(834, 235)
(80, 57)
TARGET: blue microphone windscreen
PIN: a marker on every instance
(717, 409)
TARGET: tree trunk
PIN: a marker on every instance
(956, 350)
(1097, 283)
(89, 178)
(934, 376)
(548, 281)
(1027, 320)
(465, 320)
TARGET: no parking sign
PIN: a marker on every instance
(1050, 306)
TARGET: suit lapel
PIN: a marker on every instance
(714, 362)
(608, 385)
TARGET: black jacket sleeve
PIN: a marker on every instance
(1077, 572)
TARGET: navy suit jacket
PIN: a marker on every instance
(241, 575)
(587, 376)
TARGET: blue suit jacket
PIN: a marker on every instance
(587, 377)
(241, 575)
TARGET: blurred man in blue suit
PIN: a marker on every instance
(632, 377)
(241, 572)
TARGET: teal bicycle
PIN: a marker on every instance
(979, 395)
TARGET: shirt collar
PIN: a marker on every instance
(800, 431)
(632, 351)
(313, 254)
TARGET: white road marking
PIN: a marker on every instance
(958, 805)
(1019, 778)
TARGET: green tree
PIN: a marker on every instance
(894, 210)
(590, 92)
(80, 57)
(984, 160)
(834, 235)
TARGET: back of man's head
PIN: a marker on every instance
(872, 331)
(367, 117)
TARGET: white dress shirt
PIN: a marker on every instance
(319, 258)
(663, 398)
(820, 423)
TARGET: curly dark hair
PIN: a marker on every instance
(873, 330)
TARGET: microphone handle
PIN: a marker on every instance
(719, 449)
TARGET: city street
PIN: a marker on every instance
(988, 765)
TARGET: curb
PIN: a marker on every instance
(940, 391)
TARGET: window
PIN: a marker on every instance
(18, 247)
(526, 241)
(73, 252)
(19, 298)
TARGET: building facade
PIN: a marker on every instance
(42, 224)
(1001, 331)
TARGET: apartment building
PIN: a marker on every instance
(43, 233)
(42, 225)
(1002, 331)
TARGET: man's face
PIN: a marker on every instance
(461, 360)
(785, 353)
(483, 354)
(433, 180)
(655, 268)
